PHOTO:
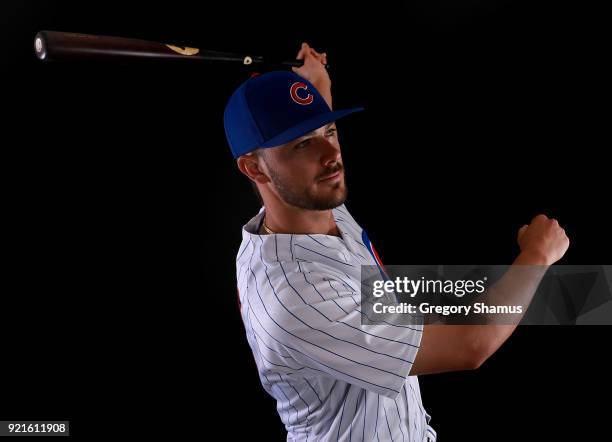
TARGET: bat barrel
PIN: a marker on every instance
(51, 45)
(40, 46)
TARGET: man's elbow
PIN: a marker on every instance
(476, 361)
(479, 349)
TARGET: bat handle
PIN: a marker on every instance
(297, 63)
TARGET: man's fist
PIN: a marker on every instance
(314, 70)
(543, 240)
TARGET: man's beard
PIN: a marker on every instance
(304, 198)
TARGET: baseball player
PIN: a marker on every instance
(298, 274)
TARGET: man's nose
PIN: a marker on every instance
(330, 152)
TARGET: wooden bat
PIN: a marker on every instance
(52, 45)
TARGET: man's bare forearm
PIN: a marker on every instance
(324, 89)
(463, 347)
(314, 71)
(516, 288)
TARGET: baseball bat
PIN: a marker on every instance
(52, 45)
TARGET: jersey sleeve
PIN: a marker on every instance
(319, 317)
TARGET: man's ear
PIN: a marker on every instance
(250, 165)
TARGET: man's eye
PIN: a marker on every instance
(331, 132)
(302, 144)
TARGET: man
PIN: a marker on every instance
(298, 271)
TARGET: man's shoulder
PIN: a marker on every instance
(300, 281)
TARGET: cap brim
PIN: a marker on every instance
(308, 126)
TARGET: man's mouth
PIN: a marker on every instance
(331, 176)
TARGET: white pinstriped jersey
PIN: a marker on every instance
(333, 378)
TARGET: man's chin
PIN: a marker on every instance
(318, 198)
(330, 202)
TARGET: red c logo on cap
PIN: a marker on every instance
(295, 87)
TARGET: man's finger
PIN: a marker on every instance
(316, 54)
(321, 58)
(303, 51)
(522, 230)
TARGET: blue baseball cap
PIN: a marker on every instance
(274, 108)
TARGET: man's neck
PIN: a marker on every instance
(300, 221)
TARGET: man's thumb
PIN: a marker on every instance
(522, 231)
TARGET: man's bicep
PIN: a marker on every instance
(447, 348)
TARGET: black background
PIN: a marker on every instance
(123, 206)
